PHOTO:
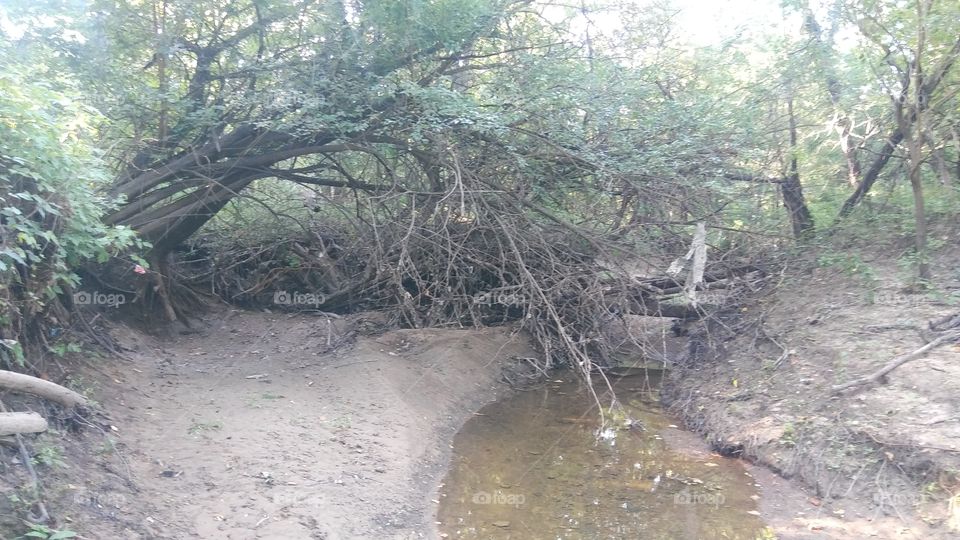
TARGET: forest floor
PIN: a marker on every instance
(885, 458)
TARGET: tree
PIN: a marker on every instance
(898, 65)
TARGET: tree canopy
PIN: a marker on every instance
(421, 131)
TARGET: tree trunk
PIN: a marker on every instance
(800, 218)
(915, 138)
(873, 173)
(920, 215)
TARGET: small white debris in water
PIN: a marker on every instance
(656, 480)
(608, 434)
(637, 466)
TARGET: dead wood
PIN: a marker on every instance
(879, 375)
(19, 382)
(21, 422)
(42, 516)
(945, 323)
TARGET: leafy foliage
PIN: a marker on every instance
(50, 220)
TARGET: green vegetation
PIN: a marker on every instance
(283, 132)
(49, 454)
(197, 427)
(46, 533)
(51, 178)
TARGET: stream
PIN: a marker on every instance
(539, 465)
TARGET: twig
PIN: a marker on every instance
(128, 478)
(100, 339)
(897, 362)
(355, 363)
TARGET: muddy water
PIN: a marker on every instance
(539, 465)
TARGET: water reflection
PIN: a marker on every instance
(540, 466)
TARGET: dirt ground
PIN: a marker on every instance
(261, 425)
(882, 461)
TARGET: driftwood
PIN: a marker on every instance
(43, 516)
(878, 375)
(19, 382)
(12, 423)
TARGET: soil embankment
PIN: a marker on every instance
(881, 460)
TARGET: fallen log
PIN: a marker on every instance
(708, 277)
(12, 423)
(641, 305)
(19, 382)
(27, 461)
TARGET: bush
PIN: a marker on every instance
(50, 212)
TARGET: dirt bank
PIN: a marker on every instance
(881, 461)
(264, 425)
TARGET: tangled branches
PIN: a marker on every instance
(473, 254)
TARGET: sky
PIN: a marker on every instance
(709, 22)
(701, 22)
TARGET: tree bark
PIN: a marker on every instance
(915, 138)
(792, 191)
(19, 382)
(873, 173)
(12, 423)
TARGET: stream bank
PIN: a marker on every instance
(881, 461)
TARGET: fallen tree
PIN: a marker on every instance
(407, 184)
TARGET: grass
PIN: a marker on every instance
(200, 427)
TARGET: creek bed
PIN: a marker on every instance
(539, 465)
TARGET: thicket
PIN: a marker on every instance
(457, 162)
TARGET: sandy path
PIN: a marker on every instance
(247, 429)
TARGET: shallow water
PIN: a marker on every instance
(538, 465)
